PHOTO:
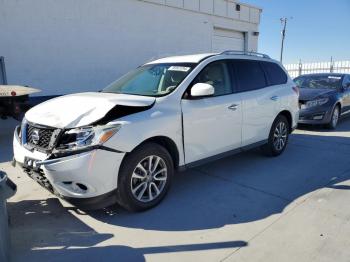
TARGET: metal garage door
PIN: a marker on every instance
(225, 39)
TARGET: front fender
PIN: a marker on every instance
(139, 127)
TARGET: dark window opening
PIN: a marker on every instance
(250, 75)
(275, 74)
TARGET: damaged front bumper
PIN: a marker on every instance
(87, 179)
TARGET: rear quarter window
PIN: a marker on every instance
(274, 73)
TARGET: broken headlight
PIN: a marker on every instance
(80, 138)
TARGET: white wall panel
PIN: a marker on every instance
(244, 13)
(206, 6)
(254, 16)
(191, 5)
(220, 7)
(225, 8)
(71, 46)
(176, 3)
(157, 1)
(231, 10)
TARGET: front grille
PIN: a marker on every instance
(41, 137)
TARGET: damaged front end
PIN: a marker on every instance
(76, 167)
(62, 142)
(73, 162)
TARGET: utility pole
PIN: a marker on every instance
(284, 21)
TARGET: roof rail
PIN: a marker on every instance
(251, 53)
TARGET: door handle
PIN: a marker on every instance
(233, 107)
(274, 98)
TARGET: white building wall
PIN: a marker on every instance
(70, 46)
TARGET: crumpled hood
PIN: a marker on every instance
(307, 94)
(81, 109)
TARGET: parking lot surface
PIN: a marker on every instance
(247, 207)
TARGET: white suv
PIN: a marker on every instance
(124, 143)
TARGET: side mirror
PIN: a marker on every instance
(202, 90)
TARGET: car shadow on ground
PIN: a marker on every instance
(49, 231)
(46, 223)
(199, 200)
(122, 253)
(245, 187)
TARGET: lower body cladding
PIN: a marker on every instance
(87, 180)
(315, 116)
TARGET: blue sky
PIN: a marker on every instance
(319, 29)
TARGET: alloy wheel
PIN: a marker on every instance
(335, 117)
(149, 178)
(280, 136)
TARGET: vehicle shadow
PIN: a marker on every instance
(123, 253)
(243, 188)
(43, 230)
(46, 223)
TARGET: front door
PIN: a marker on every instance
(212, 125)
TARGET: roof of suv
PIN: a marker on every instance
(183, 59)
(196, 58)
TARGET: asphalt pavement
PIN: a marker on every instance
(247, 207)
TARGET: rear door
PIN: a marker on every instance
(258, 101)
(212, 125)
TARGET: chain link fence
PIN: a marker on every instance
(300, 68)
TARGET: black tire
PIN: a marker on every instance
(334, 119)
(126, 197)
(270, 148)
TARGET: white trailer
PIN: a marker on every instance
(70, 46)
(14, 100)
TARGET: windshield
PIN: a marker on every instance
(151, 80)
(319, 81)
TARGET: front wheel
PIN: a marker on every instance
(334, 118)
(145, 177)
(278, 137)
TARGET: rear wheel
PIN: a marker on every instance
(335, 118)
(278, 137)
(145, 177)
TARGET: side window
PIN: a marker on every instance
(275, 74)
(346, 82)
(250, 75)
(217, 75)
